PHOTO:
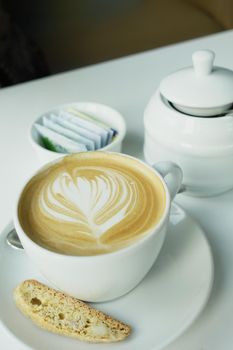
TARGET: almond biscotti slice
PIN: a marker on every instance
(63, 314)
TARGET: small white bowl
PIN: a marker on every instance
(101, 112)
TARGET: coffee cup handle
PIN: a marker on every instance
(172, 175)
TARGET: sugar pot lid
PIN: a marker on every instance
(202, 89)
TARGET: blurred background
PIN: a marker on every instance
(40, 38)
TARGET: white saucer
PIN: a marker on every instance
(167, 301)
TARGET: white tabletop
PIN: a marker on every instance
(126, 84)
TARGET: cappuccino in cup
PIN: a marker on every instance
(91, 203)
(93, 223)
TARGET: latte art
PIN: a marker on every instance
(94, 204)
(86, 206)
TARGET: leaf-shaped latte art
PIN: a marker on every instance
(95, 204)
(89, 206)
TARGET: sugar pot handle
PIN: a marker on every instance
(172, 175)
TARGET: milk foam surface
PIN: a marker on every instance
(91, 203)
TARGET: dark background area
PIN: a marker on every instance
(39, 38)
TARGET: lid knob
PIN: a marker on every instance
(203, 62)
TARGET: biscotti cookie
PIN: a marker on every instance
(60, 313)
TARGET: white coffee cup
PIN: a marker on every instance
(104, 277)
(101, 112)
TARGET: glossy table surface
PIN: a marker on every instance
(126, 84)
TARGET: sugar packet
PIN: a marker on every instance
(73, 131)
(77, 129)
(90, 125)
(111, 132)
(58, 143)
(90, 145)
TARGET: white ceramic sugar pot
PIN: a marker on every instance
(189, 121)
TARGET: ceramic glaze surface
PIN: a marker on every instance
(202, 143)
(139, 216)
(101, 112)
(201, 86)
